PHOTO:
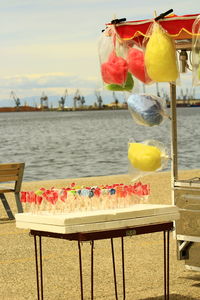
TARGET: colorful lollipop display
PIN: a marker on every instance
(74, 198)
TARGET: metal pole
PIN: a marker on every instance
(174, 152)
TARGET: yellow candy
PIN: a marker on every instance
(144, 157)
(160, 56)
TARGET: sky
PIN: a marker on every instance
(50, 46)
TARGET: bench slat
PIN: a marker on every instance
(9, 172)
(6, 178)
(10, 166)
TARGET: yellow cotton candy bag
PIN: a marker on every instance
(144, 157)
(160, 56)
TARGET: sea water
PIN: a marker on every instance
(57, 145)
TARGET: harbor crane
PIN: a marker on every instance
(82, 100)
(116, 99)
(44, 101)
(61, 102)
(99, 98)
(17, 100)
(77, 97)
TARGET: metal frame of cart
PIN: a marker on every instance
(183, 191)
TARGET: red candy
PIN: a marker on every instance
(115, 70)
(136, 65)
(23, 197)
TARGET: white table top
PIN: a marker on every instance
(88, 221)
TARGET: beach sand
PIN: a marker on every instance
(143, 256)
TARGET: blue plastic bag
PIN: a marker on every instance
(146, 109)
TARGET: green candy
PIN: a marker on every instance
(73, 192)
(39, 192)
(127, 87)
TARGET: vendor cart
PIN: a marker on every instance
(185, 193)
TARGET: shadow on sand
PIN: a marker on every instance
(6, 220)
(194, 277)
(172, 297)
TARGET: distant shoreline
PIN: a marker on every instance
(112, 106)
(33, 109)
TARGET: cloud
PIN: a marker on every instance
(53, 84)
(77, 58)
(52, 45)
(46, 80)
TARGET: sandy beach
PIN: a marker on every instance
(143, 256)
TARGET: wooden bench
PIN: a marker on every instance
(12, 172)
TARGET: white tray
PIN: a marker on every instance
(88, 221)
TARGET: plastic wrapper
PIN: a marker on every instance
(136, 65)
(114, 67)
(146, 109)
(146, 157)
(196, 52)
(160, 56)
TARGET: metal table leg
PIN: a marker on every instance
(81, 270)
(81, 237)
(123, 269)
(114, 268)
(39, 270)
(166, 264)
(92, 269)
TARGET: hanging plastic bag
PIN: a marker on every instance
(136, 65)
(114, 67)
(146, 157)
(196, 52)
(114, 70)
(160, 56)
(146, 109)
